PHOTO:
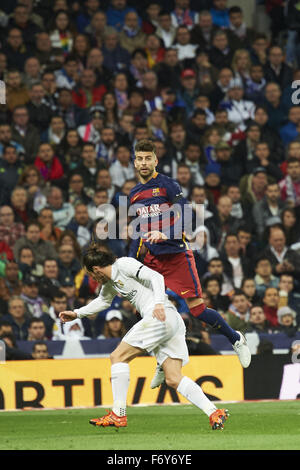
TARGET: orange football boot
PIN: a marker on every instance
(218, 418)
(111, 419)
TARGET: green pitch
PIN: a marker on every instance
(259, 425)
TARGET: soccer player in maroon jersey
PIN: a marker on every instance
(170, 255)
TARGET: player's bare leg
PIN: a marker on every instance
(192, 392)
(120, 357)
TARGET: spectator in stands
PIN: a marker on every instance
(276, 70)
(17, 92)
(253, 186)
(40, 351)
(10, 167)
(36, 330)
(20, 205)
(17, 317)
(81, 225)
(226, 222)
(239, 311)
(116, 13)
(257, 321)
(68, 264)
(73, 115)
(61, 32)
(25, 133)
(220, 13)
(41, 248)
(202, 33)
(270, 305)
(49, 231)
(220, 55)
(48, 283)
(35, 305)
(290, 185)
(290, 225)
(10, 284)
(283, 259)
(287, 321)
(62, 211)
(122, 169)
(268, 209)
(276, 108)
(288, 293)
(114, 326)
(48, 164)
(6, 138)
(165, 30)
(131, 36)
(88, 93)
(10, 231)
(115, 57)
(55, 132)
(27, 264)
(249, 287)
(289, 131)
(213, 285)
(264, 277)
(235, 266)
(15, 49)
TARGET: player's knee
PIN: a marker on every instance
(115, 357)
(173, 381)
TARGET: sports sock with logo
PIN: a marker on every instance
(192, 392)
(120, 384)
(214, 319)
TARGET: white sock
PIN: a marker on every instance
(119, 384)
(192, 392)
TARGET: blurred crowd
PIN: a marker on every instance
(82, 82)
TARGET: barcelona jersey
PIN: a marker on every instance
(158, 205)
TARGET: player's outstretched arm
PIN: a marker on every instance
(67, 315)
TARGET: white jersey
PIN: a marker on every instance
(135, 282)
(144, 288)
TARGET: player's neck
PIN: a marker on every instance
(148, 178)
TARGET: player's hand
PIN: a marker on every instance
(67, 315)
(159, 312)
(155, 236)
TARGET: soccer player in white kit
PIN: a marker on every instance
(161, 331)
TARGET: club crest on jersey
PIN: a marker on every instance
(155, 192)
(120, 283)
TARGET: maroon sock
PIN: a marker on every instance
(196, 311)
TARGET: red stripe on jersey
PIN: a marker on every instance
(148, 194)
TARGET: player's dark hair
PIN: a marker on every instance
(95, 256)
(145, 146)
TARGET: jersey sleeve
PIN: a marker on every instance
(102, 302)
(140, 272)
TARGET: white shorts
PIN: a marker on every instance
(163, 339)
